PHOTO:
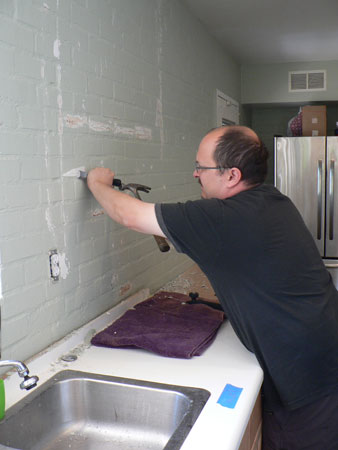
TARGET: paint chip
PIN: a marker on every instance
(125, 288)
(98, 212)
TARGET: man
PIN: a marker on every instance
(266, 271)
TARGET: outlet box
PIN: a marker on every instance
(54, 264)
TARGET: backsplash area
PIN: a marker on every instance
(125, 84)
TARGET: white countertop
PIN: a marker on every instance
(226, 361)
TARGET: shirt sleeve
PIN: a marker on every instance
(190, 226)
(161, 222)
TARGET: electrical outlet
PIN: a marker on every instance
(54, 264)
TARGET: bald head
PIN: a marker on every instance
(245, 131)
(239, 146)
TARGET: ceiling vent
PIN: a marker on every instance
(307, 81)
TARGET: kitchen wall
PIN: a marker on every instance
(268, 105)
(268, 83)
(120, 83)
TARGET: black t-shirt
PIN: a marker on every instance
(270, 279)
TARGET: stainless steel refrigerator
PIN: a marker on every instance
(306, 170)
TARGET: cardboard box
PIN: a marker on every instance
(314, 120)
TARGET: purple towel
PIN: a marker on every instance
(166, 325)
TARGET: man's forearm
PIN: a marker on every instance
(119, 206)
(128, 211)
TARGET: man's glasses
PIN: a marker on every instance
(198, 168)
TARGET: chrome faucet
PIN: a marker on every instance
(28, 382)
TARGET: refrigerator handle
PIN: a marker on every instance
(331, 266)
(331, 199)
(319, 199)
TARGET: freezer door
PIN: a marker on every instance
(300, 174)
(331, 198)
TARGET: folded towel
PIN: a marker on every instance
(164, 324)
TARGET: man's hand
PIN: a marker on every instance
(128, 211)
(100, 175)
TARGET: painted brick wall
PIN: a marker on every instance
(127, 84)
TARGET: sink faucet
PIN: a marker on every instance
(28, 382)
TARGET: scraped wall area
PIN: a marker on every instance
(126, 84)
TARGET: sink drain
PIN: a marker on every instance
(69, 358)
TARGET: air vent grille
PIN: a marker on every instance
(312, 80)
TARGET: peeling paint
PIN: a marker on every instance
(136, 132)
(48, 218)
(98, 212)
(74, 172)
(98, 126)
(143, 133)
(56, 48)
(125, 288)
(59, 101)
(75, 121)
(123, 131)
(64, 266)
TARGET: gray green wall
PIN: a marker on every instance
(268, 105)
(126, 84)
(268, 83)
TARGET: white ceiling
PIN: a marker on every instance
(272, 31)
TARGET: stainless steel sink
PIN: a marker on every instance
(85, 411)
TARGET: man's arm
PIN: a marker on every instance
(130, 212)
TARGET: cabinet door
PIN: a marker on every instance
(300, 174)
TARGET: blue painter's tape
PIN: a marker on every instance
(229, 396)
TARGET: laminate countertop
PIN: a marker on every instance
(225, 362)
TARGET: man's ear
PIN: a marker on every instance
(234, 176)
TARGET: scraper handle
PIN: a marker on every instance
(83, 176)
(117, 182)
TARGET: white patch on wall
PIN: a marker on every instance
(56, 48)
(98, 212)
(75, 121)
(136, 132)
(59, 101)
(98, 126)
(74, 172)
(64, 266)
